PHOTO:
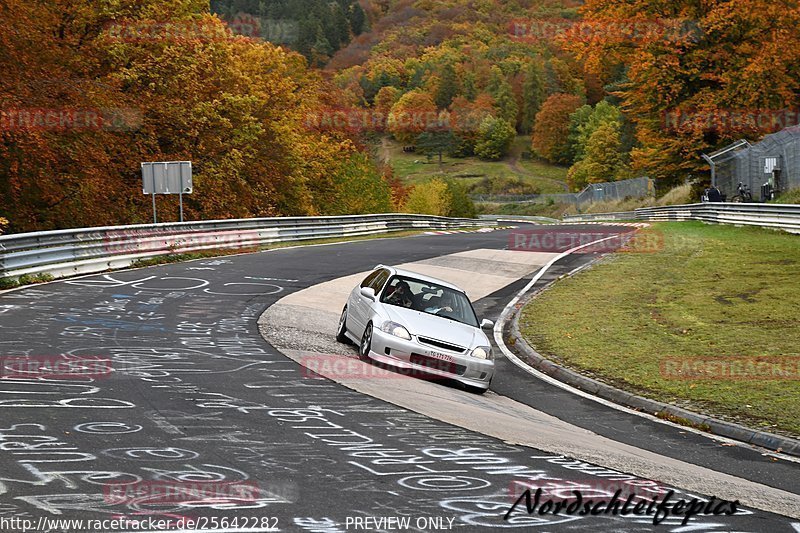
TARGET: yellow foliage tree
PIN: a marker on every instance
(429, 198)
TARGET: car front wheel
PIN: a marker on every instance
(340, 333)
(366, 343)
(474, 390)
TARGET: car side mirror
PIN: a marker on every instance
(487, 324)
(368, 292)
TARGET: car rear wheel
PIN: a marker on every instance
(366, 343)
(340, 333)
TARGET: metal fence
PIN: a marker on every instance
(88, 250)
(785, 217)
(594, 192)
(753, 165)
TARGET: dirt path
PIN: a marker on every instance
(383, 152)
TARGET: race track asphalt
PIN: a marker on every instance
(192, 398)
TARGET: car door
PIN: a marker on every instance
(358, 306)
(377, 285)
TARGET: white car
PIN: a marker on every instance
(419, 323)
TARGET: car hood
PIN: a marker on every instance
(436, 327)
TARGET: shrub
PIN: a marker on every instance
(495, 138)
(441, 197)
(461, 205)
(429, 198)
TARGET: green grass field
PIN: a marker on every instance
(712, 291)
(415, 168)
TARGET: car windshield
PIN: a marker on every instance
(429, 298)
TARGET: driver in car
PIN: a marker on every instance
(445, 306)
(401, 296)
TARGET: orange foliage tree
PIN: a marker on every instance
(698, 75)
(412, 114)
(551, 128)
(89, 91)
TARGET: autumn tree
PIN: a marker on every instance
(602, 161)
(448, 87)
(702, 60)
(441, 197)
(551, 130)
(429, 198)
(503, 96)
(585, 121)
(495, 138)
(385, 99)
(354, 187)
(575, 136)
(412, 114)
(236, 107)
(461, 205)
(533, 96)
(466, 118)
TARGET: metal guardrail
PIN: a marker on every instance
(88, 250)
(591, 217)
(520, 218)
(784, 217)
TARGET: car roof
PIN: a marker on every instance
(421, 277)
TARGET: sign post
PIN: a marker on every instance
(167, 177)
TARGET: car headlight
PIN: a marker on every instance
(482, 352)
(393, 328)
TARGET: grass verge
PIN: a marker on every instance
(25, 279)
(792, 196)
(711, 291)
(545, 209)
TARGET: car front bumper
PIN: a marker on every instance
(429, 361)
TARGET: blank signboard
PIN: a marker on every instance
(170, 177)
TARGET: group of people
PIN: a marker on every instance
(712, 194)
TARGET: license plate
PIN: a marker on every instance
(442, 356)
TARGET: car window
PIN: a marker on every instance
(431, 299)
(392, 296)
(369, 279)
(380, 280)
